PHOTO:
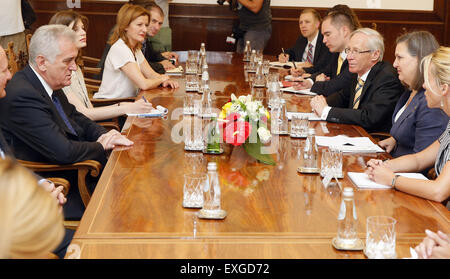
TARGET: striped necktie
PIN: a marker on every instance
(340, 62)
(358, 91)
(310, 58)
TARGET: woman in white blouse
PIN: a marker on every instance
(77, 93)
(126, 69)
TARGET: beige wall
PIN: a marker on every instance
(422, 5)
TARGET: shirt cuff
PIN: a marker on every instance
(325, 112)
(311, 82)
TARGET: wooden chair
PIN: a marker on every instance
(15, 61)
(83, 168)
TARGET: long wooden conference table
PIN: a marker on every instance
(273, 211)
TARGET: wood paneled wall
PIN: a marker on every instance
(193, 23)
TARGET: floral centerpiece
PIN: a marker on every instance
(244, 122)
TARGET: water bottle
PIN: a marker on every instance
(201, 63)
(346, 235)
(211, 190)
(247, 51)
(259, 76)
(252, 65)
(205, 79)
(202, 49)
(213, 138)
(310, 151)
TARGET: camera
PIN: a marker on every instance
(233, 4)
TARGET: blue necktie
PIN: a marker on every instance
(63, 114)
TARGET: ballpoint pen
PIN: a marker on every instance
(143, 98)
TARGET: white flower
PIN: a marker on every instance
(252, 107)
(264, 135)
(233, 97)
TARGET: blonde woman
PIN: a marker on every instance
(126, 69)
(31, 224)
(76, 92)
(436, 69)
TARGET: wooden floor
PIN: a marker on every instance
(273, 211)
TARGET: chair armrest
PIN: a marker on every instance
(91, 166)
(60, 182)
(90, 59)
(92, 81)
(91, 70)
(110, 125)
(379, 136)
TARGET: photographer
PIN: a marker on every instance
(255, 23)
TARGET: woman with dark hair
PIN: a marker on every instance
(76, 92)
(414, 125)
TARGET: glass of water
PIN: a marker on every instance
(193, 190)
(192, 83)
(380, 237)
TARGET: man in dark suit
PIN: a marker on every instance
(369, 100)
(5, 151)
(309, 47)
(336, 30)
(38, 121)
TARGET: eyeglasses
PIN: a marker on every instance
(355, 51)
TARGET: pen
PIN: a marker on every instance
(143, 98)
(282, 49)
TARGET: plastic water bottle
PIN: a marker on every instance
(202, 49)
(247, 51)
(252, 61)
(310, 151)
(205, 79)
(211, 190)
(346, 235)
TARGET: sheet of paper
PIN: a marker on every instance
(175, 72)
(349, 144)
(311, 115)
(361, 180)
(304, 92)
(160, 111)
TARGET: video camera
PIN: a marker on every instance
(233, 4)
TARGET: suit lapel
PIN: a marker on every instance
(318, 48)
(34, 80)
(410, 109)
(368, 83)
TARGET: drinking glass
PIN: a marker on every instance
(380, 237)
(192, 83)
(191, 67)
(336, 161)
(193, 190)
(325, 163)
(192, 56)
(192, 128)
(299, 126)
(266, 67)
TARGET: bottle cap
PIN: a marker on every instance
(253, 50)
(282, 101)
(311, 131)
(348, 192)
(212, 166)
(203, 44)
(248, 42)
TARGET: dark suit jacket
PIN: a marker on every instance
(379, 96)
(4, 145)
(322, 55)
(36, 131)
(418, 126)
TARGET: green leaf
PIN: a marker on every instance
(254, 150)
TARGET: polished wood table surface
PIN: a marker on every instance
(273, 211)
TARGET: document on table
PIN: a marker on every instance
(277, 64)
(361, 180)
(175, 72)
(349, 145)
(311, 115)
(160, 111)
(303, 91)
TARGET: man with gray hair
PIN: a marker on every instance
(38, 121)
(370, 99)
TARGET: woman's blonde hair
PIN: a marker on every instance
(440, 61)
(31, 224)
(126, 15)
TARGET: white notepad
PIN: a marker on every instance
(303, 91)
(349, 144)
(361, 180)
(311, 115)
(160, 111)
(175, 72)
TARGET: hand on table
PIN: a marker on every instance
(434, 246)
(388, 144)
(170, 83)
(112, 139)
(167, 65)
(283, 57)
(318, 103)
(379, 172)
